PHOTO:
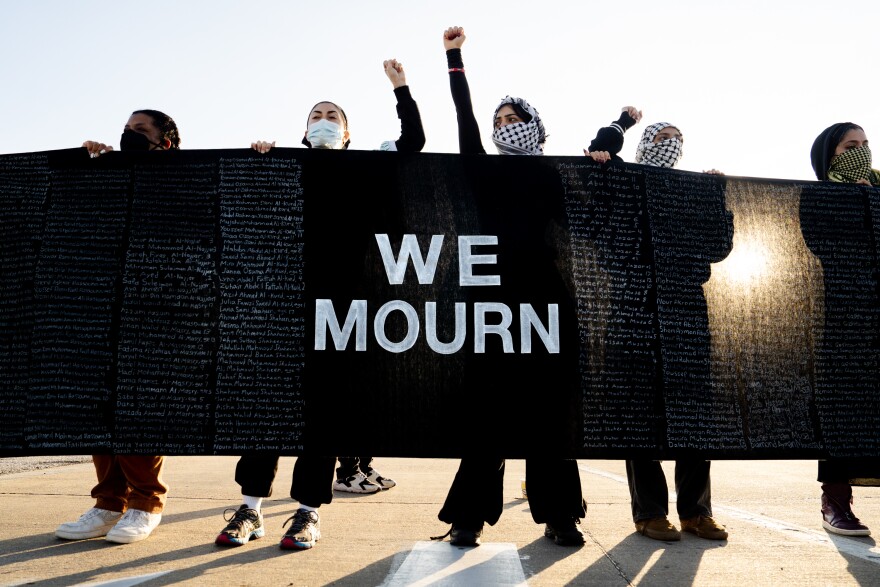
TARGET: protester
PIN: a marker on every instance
(313, 476)
(841, 154)
(130, 493)
(662, 145)
(554, 488)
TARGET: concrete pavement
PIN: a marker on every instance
(771, 509)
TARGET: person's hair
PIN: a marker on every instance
(165, 124)
(341, 111)
(520, 111)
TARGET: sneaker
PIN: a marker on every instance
(92, 524)
(303, 532)
(357, 483)
(704, 527)
(838, 517)
(465, 535)
(565, 533)
(383, 482)
(245, 524)
(658, 529)
(133, 526)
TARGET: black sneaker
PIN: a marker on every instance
(304, 530)
(565, 533)
(245, 524)
(465, 536)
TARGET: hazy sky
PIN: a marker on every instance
(749, 83)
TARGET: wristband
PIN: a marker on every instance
(454, 69)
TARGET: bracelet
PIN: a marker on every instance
(454, 69)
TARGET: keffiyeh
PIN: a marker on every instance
(852, 165)
(666, 153)
(520, 138)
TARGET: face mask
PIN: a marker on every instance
(663, 154)
(325, 135)
(135, 141)
(519, 138)
(852, 165)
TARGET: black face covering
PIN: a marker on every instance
(135, 141)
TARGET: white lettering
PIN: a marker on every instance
(467, 260)
(549, 336)
(325, 317)
(395, 268)
(445, 348)
(481, 329)
(412, 326)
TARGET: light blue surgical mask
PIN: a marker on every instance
(325, 135)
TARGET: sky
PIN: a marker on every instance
(750, 83)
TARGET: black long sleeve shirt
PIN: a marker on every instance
(412, 134)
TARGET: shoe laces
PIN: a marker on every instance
(91, 514)
(239, 517)
(448, 532)
(849, 516)
(299, 520)
(134, 517)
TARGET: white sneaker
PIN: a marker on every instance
(134, 526)
(383, 482)
(92, 524)
(357, 483)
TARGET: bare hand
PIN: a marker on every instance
(713, 172)
(394, 71)
(96, 149)
(633, 112)
(863, 182)
(598, 156)
(453, 38)
(262, 146)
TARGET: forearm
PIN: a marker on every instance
(610, 138)
(412, 134)
(468, 130)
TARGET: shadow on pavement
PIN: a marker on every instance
(678, 562)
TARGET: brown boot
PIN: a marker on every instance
(704, 527)
(658, 529)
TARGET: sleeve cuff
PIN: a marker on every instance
(453, 58)
(624, 123)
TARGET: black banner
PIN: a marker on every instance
(325, 302)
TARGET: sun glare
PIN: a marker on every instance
(748, 263)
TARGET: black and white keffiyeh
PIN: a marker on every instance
(663, 154)
(852, 165)
(520, 138)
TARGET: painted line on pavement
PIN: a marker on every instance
(125, 582)
(848, 546)
(440, 563)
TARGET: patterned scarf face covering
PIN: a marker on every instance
(663, 154)
(520, 138)
(851, 165)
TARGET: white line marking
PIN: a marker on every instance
(126, 582)
(441, 564)
(849, 546)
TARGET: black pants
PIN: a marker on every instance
(650, 496)
(312, 482)
(348, 466)
(476, 495)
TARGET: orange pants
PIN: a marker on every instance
(129, 482)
